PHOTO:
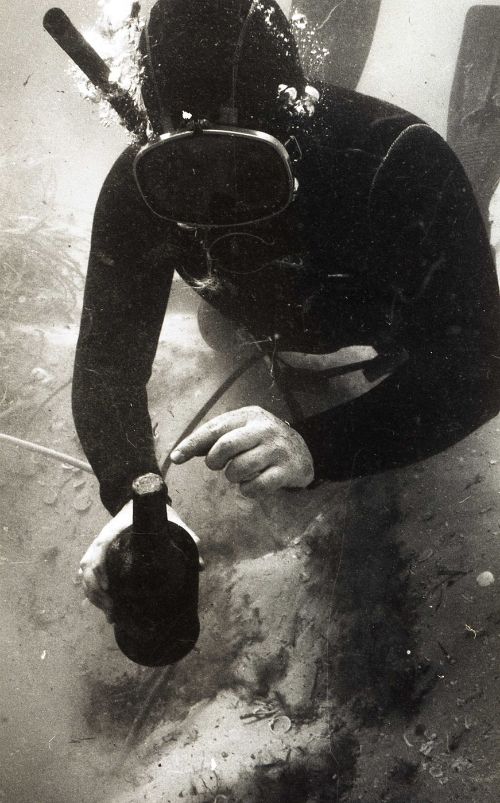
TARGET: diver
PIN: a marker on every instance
(314, 218)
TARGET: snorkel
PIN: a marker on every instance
(235, 61)
(62, 30)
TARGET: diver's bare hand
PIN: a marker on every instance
(259, 452)
(93, 564)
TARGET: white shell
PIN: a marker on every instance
(485, 579)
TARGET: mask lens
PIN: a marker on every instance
(214, 178)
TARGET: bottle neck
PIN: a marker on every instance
(150, 518)
(149, 495)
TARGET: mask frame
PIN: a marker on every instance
(213, 178)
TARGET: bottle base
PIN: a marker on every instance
(160, 648)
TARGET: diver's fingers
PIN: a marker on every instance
(268, 482)
(94, 590)
(205, 436)
(249, 465)
(232, 444)
(93, 563)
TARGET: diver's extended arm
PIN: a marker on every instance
(126, 293)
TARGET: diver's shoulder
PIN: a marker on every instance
(359, 120)
(119, 189)
(358, 105)
(122, 169)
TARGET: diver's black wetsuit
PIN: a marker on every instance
(384, 243)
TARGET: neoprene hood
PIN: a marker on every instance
(188, 48)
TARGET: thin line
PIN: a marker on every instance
(35, 447)
(330, 14)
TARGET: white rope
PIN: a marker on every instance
(35, 447)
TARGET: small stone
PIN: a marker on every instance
(82, 503)
(281, 724)
(425, 555)
(50, 497)
(485, 579)
(460, 764)
(39, 374)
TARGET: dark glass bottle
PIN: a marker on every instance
(153, 569)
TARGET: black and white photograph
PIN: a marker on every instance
(249, 401)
